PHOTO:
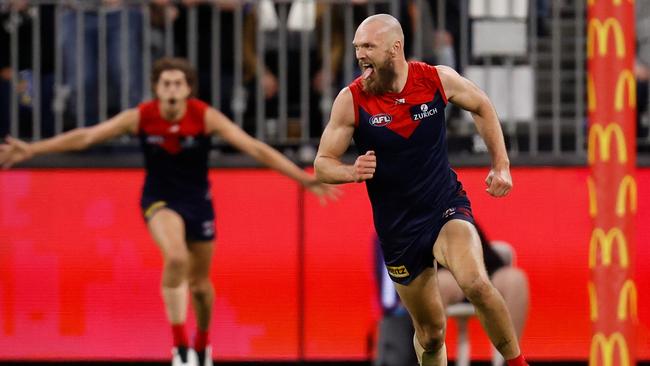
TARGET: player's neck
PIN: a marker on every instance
(402, 70)
(172, 113)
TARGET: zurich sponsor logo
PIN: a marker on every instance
(155, 140)
(380, 120)
(425, 112)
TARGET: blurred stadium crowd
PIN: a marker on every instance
(274, 66)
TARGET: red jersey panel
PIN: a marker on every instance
(175, 153)
(413, 183)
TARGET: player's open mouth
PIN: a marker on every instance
(172, 101)
(368, 69)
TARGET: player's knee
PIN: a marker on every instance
(432, 336)
(177, 263)
(477, 290)
(201, 289)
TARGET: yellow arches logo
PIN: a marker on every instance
(625, 82)
(627, 301)
(604, 137)
(625, 78)
(627, 188)
(593, 199)
(615, 2)
(626, 196)
(605, 242)
(600, 344)
(593, 302)
(591, 93)
(598, 36)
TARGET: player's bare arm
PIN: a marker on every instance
(465, 94)
(336, 140)
(14, 150)
(217, 123)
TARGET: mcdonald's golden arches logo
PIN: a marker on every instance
(604, 346)
(593, 199)
(626, 189)
(604, 137)
(593, 301)
(598, 36)
(605, 242)
(625, 196)
(627, 301)
(615, 2)
(591, 93)
(625, 78)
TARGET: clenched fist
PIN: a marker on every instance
(364, 166)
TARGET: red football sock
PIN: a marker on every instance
(201, 340)
(518, 361)
(180, 337)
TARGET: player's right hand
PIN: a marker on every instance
(364, 167)
(14, 151)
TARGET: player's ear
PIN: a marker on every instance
(397, 46)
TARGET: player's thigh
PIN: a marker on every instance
(422, 299)
(200, 258)
(449, 289)
(168, 231)
(458, 248)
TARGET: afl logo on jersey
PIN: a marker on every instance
(380, 120)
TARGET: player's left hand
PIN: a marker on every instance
(14, 151)
(324, 192)
(499, 182)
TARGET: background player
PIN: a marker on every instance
(175, 131)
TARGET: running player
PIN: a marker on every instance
(175, 130)
(395, 113)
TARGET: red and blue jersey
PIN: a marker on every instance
(413, 183)
(175, 153)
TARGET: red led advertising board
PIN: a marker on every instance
(79, 275)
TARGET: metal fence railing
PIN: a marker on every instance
(274, 66)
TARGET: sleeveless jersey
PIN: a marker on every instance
(413, 183)
(175, 153)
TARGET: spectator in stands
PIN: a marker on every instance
(18, 16)
(89, 14)
(441, 42)
(205, 43)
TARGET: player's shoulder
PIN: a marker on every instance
(424, 69)
(344, 106)
(420, 69)
(147, 105)
(445, 71)
(344, 97)
(197, 104)
(148, 110)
